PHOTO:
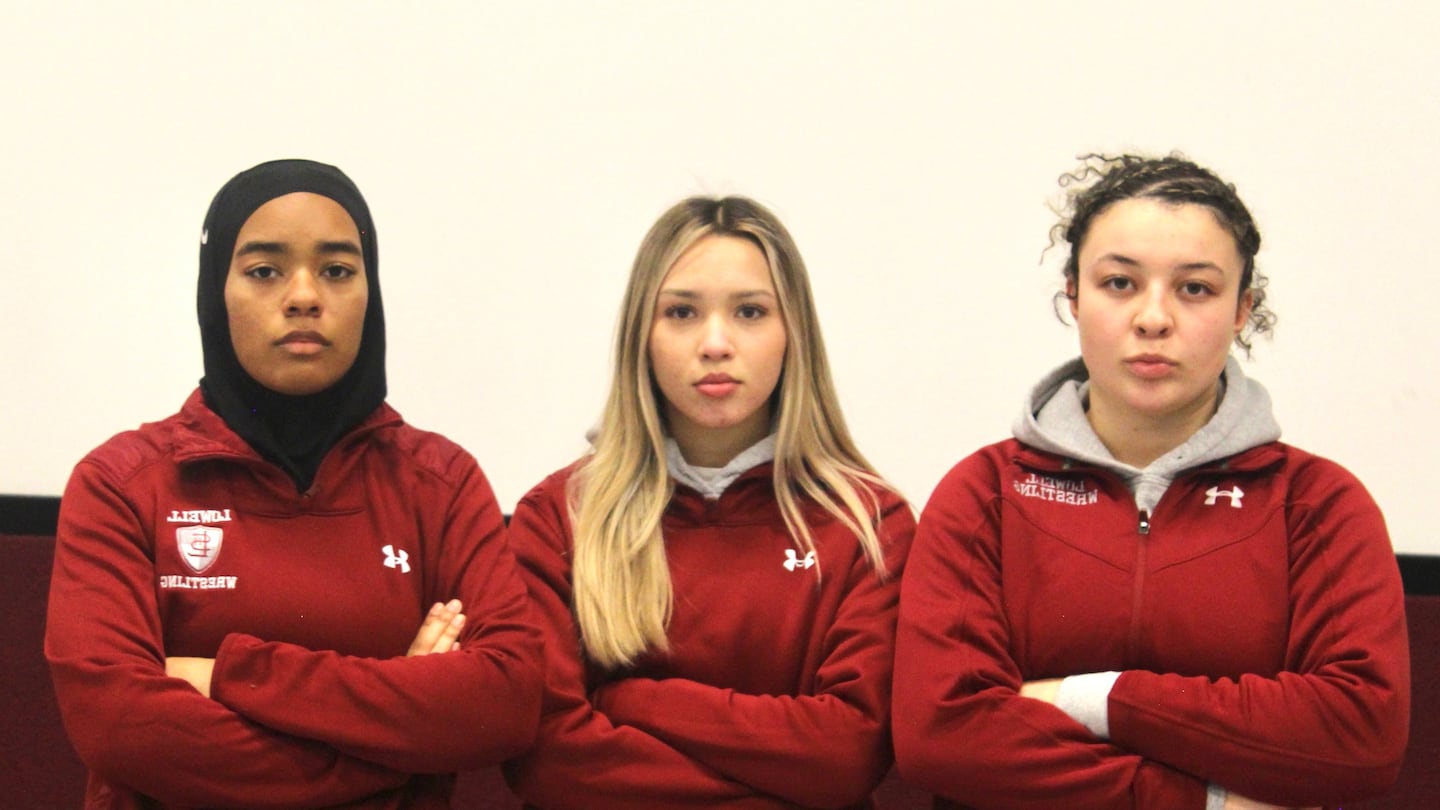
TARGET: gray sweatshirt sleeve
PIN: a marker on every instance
(1086, 698)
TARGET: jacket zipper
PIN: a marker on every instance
(1137, 595)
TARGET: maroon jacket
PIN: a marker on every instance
(179, 540)
(776, 689)
(1259, 627)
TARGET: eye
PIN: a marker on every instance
(679, 311)
(751, 312)
(1196, 289)
(1118, 284)
(337, 272)
(262, 272)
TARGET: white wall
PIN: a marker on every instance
(514, 153)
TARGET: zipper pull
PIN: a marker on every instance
(1144, 522)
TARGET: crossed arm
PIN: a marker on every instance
(1329, 728)
(439, 633)
(317, 728)
(679, 743)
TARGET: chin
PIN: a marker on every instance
(300, 388)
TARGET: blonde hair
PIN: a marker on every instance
(621, 581)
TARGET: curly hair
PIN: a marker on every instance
(1103, 180)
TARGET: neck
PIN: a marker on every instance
(715, 447)
(1137, 439)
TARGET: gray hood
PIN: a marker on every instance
(1053, 420)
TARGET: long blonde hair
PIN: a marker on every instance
(622, 589)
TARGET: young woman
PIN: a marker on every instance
(1144, 600)
(283, 595)
(718, 579)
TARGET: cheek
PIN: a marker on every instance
(244, 330)
(778, 354)
(355, 323)
(773, 350)
(1221, 326)
(1096, 331)
(662, 364)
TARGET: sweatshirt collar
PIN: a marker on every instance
(711, 482)
(1053, 420)
(202, 434)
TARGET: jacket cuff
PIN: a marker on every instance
(1086, 698)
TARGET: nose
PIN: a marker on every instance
(1154, 318)
(302, 294)
(715, 343)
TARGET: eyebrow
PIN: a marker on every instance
(340, 246)
(261, 247)
(742, 294)
(1120, 258)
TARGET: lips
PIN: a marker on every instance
(303, 337)
(717, 385)
(1150, 366)
(303, 342)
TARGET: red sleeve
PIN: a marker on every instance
(961, 728)
(1333, 726)
(130, 722)
(582, 760)
(442, 713)
(829, 748)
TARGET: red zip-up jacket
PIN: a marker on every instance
(1257, 622)
(179, 540)
(776, 690)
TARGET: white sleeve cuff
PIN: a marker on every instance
(1214, 797)
(1086, 698)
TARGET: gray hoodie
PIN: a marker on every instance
(1054, 420)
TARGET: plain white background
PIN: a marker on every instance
(515, 153)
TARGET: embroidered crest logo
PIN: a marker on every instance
(396, 559)
(792, 561)
(1234, 493)
(199, 546)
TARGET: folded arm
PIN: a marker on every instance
(581, 758)
(827, 748)
(962, 729)
(133, 724)
(468, 708)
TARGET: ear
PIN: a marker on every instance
(1242, 312)
(1072, 294)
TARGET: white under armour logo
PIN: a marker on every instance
(394, 560)
(1234, 494)
(792, 562)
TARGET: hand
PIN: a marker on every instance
(1234, 801)
(195, 671)
(1047, 690)
(440, 631)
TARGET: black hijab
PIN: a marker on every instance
(294, 432)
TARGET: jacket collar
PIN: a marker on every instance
(750, 498)
(1255, 459)
(200, 435)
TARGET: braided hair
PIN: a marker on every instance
(1103, 180)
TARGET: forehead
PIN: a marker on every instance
(298, 215)
(1147, 229)
(720, 261)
